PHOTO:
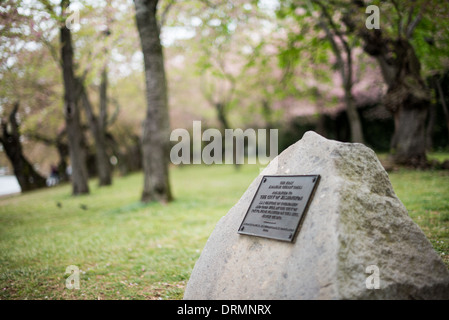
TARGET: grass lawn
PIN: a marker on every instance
(127, 250)
(439, 156)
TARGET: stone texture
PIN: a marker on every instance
(355, 220)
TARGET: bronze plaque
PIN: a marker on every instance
(279, 206)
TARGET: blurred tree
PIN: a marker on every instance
(311, 19)
(436, 79)
(29, 71)
(28, 178)
(98, 124)
(393, 46)
(342, 48)
(28, 75)
(79, 176)
(156, 126)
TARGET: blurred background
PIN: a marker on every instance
(348, 73)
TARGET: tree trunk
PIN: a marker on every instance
(27, 177)
(156, 127)
(430, 127)
(409, 100)
(224, 124)
(79, 175)
(63, 151)
(221, 115)
(409, 139)
(105, 172)
(443, 101)
(345, 65)
(353, 117)
(407, 96)
(97, 127)
(347, 77)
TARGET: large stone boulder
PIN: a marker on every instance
(355, 221)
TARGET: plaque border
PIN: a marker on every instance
(300, 222)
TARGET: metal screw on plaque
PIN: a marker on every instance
(290, 236)
(241, 229)
(314, 179)
(264, 180)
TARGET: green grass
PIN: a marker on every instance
(426, 197)
(128, 250)
(439, 156)
(125, 249)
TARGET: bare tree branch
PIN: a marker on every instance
(164, 13)
(345, 68)
(115, 114)
(411, 27)
(399, 22)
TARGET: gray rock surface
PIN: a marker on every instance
(355, 220)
